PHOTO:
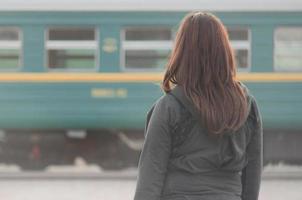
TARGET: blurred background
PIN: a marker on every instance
(78, 77)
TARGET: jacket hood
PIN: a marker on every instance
(179, 93)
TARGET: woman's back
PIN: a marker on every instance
(207, 164)
(201, 164)
(203, 138)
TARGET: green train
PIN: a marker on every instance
(71, 73)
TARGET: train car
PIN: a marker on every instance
(76, 76)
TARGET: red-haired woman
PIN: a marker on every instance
(203, 137)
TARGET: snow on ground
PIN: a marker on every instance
(281, 167)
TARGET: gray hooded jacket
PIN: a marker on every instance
(181, 161)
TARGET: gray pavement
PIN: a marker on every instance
(115, 189)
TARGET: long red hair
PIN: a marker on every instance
(202, 61)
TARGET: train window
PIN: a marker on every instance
(238, 34)
(146, 59)
(145, 48)
(10, 48)
(71, 48)
(148, 34)
(241, 44)
(288, 49)
(71, 34)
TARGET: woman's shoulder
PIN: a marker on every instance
(254, 112)
(166, 107)
(250, 97)
(245, 89)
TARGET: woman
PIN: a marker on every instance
(203, 138)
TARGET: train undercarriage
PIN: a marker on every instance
(38, 149)
(112, 149)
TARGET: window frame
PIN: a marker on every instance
(249, 47)
(46, 41)
(123, 67)
(274, 48)
(20, 46)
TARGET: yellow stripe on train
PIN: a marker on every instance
(134, 77)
